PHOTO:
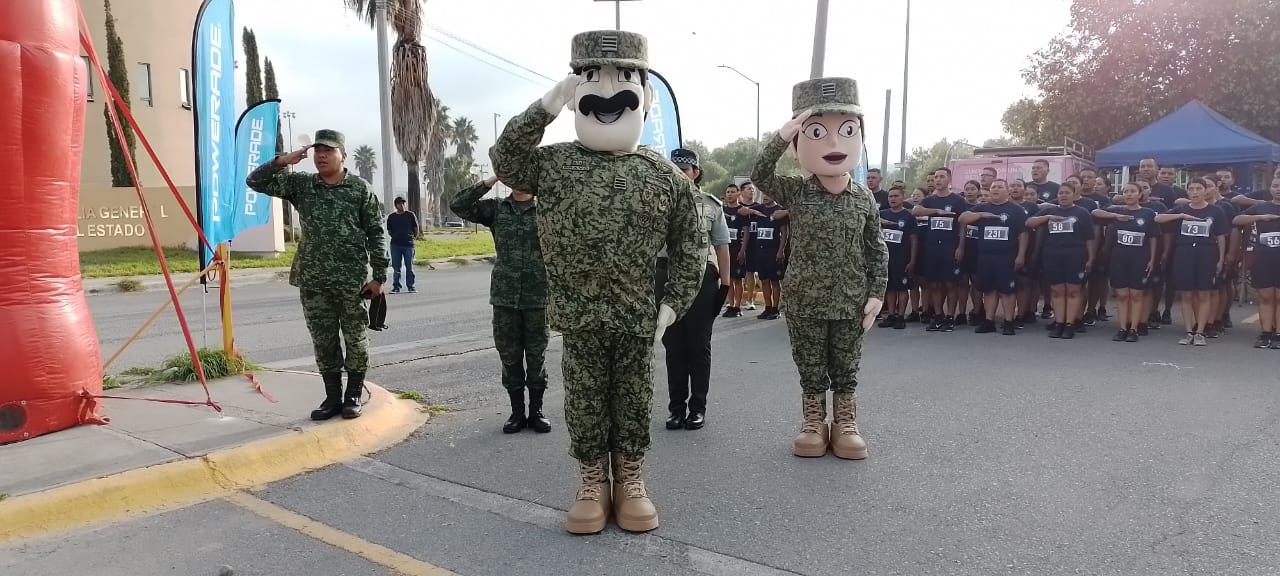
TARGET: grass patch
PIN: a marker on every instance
(142, 261)
(110, 382)
(411, 395)
(438, 409)
(3, 497)
(128, 285)
(179, 368)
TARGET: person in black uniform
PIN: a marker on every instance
(1231, 263)
(1159, 275)
(766, 253)
(897, 228)
(973, 194)
(943, 250)
(1001, 251)
(1198, 259)
(1134, 241)
(1028, 275)
(1098, 189)
(920, 310)
(874, 181)
(1066, 258)
(738, 270)
(1264, 217)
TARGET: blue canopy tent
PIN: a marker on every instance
(1193, 135)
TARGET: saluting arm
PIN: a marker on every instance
(782, 189)
(517, 160)
(468, 205)
(272, 180)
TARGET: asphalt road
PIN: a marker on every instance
(989, 455)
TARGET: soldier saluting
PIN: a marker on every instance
(342, 238)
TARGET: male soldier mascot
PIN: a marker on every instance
(839, 264)
(605, 209)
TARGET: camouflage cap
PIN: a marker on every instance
(330, 138)
(610, 48)
(826, 95)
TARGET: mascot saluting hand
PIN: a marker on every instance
(605, 208)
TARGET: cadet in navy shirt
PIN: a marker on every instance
(1002, 249)
(1264, 217)
(897, 228)
(1134, 241)
(1046, 190)
(1066, 259)
(1198, 259)
(921, 309)
(737, 266)
(766, 253)
(943, 250)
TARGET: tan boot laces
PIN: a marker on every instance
(815, 414)
(593, 477)
(628, 474)
(846, 415)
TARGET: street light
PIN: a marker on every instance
(748, 79)
(947, 159)
(288, 117)
(617, 11)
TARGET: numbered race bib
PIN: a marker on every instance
(1067, 226)
(1195, 229)
(764, 233)
(999, 233)
(1269, 239)
(733, 234)
(1126, 238)
(891, 236)
(940, 223)
(971, 232)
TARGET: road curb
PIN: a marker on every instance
(386, 420)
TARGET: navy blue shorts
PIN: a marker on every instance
(940, 265)
(1266, 268)
(969, 264)
(1063, 268)
(1195, 268)
(736, 271)
(899, 275)
(765, 265)
(1129, 271)
(995, 273)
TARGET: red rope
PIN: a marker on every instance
(215, 407)
(86, 42)
(258, 386)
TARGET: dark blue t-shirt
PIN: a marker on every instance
(734, 222)
(1268, 233)
(942, 228)
(1132, 237)
(1167, 194)
(1047, 192)
(402, 227)
(765, 231)
(897, 237)
(999, 235)
(1212, 223)
(1069, 235)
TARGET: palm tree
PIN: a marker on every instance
(441, 133)
(366, 161)
(464, 137)
(411, 98)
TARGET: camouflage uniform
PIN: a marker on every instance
(342, 238)
(518, 288)
(838, 258)
(602, 217)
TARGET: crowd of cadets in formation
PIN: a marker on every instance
(986, 256)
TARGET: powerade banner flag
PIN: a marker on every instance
(255, 144)
(662, 127)
(860, 171)
(213, 65)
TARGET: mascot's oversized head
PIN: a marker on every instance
(830, 142)
(613, 96)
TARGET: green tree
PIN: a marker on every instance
(464, 137)
(433, 169)
(923, 161)
(272, 92)
(118, 73)
(456, 175)
(252, 68)
(1122, 65)
(366, 161)
(735, 159)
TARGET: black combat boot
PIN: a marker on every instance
(536, 420)
(517, 420)
(332, 405)
(351, 400)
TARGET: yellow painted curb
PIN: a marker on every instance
(386, 420)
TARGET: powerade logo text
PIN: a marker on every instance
(215, 117)
(655, 116)
(256, 130)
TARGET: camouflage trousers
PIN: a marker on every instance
(331, 318)
(521, 339)
(827, 353)
(608, 389)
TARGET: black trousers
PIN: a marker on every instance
(688, 344)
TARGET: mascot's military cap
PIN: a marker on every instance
(330, 138)
(610, 48)
(826, 95)
(685, 157)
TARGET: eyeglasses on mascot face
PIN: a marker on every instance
(830, 144)
(610, 105)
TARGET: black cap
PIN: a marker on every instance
(682, 156)
(399, 200)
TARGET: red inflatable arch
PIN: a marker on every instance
(50, 366)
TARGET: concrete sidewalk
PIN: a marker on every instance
(244, 276)
(154, 456)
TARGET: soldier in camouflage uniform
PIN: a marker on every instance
(342, 238)
(605, 209)
(838, 272)
(518, 294)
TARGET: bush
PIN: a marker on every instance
(216, 365)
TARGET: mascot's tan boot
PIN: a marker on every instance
(632, 509)
(845, 441)
(590, 511)
(812, 441)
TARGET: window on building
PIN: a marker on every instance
(88, 77)
(144, 83)
(184, 87)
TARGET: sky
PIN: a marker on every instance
(965, 67)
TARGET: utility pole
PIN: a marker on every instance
(819, 40)
(384, 101)
(884, 148)
(288, 117)
(748, 79)
(617, 12)
(906, 65)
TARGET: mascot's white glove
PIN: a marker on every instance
(554, 101)
(870, 311)
(666, 316)
(792, 128)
